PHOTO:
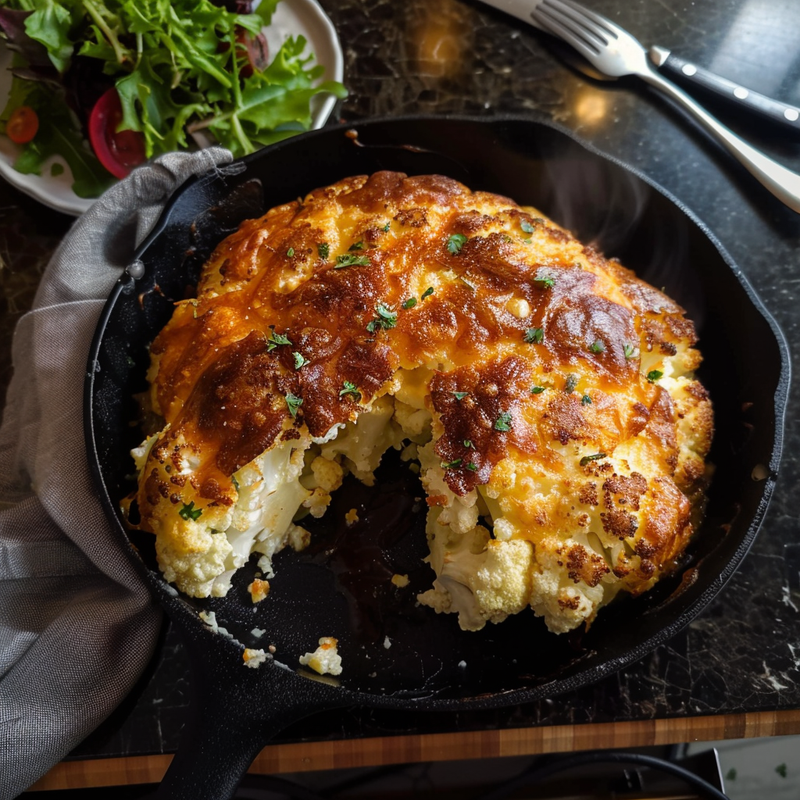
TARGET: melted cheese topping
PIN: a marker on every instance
(547, 388)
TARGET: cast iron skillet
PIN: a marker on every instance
(395, 654)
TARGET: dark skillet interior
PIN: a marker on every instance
(340, 586)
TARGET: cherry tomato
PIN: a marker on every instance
(22, 125)
(118, 151)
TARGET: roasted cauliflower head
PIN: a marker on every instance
(547, 394)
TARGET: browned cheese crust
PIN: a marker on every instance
(534, 353)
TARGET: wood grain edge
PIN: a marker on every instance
(310, 756)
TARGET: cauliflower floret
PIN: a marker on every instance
(193, 562)
(364, 441)
(481, 579)
(325, 659)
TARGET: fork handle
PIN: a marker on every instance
(782, 182)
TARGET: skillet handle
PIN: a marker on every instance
(235, 712)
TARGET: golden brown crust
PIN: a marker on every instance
(539, 350)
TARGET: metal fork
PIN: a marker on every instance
(615, 52)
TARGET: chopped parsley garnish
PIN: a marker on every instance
(472, 467)
(290, 252)
(299, 360)
(386, 227)
(468, 444)
(507, 239)
(537, 389)
(571, 383)
(654, 375)
(544, 281)
(586, 400)
(450, 464)
(588, 459)
(629, 350)
(459, 395)
(597, 346)
(386, 318)
(277, 339)
(526, 226)
(356, 246)
(351, 261)
(428, 292)
(503, 422)
(324, 250)
(235, 482)
(190, 512)
(455, 243)
(293, 403)
(410, 303)
(534, 336)
(350, 388)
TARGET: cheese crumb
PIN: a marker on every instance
(400, 580)
(351, 517)
(254, 658)
(258, 589)
(325, 659)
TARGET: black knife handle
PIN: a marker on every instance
(786, 115)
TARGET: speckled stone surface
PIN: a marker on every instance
(457, 56)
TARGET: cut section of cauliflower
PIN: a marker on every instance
(546, 396)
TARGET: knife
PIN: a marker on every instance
(689, 74)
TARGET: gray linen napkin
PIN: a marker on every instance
(77, 626)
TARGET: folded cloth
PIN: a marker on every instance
(77, 625)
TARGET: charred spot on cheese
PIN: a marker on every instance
(546, 393)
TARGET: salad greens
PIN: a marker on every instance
(180, 67)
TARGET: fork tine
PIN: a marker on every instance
(586, 16)
(572, 30)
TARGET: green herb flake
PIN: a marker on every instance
(534, 336)
(386, 227)
(350, 388)
(586, 400)
(299, 360)
(428, 292)
(507, 239)
(290, 252)
(356, 246)
(588, 459)
(782, 770)
(468, 444)
(276, 340)
(57, 169)
(654, 375)
(526, 226)
(324, 250)
(386, 318)
(544, 281)
(189, 512)
(503, 422)
(597, 346)
(346, 260)
(459, 395)
(570, 383)
(629, 350)
(455, 243)
(235, 482)
(472, 467)
(410, 303)
(537, 389)
(293, 403)
(451, 464)
(731, 775)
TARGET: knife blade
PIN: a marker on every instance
(687, 73)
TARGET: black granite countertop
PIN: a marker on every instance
(459, 57)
